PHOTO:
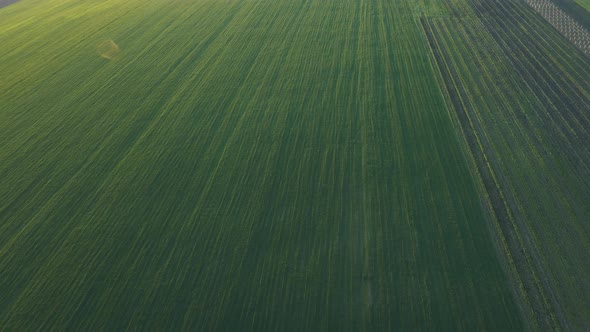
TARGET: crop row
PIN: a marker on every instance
(519, 98)
(478, 143)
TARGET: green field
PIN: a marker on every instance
(584, 3)
(298, 165)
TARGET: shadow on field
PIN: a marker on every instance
(4, 3)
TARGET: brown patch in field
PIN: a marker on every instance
(108, 49)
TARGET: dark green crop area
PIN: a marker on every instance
(304, 165)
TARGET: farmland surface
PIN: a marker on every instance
(292, 165)
(585, 4)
